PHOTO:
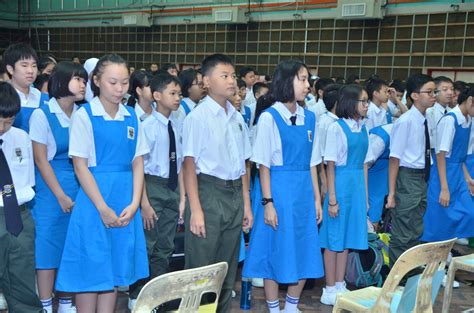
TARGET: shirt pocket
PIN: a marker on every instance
(19, 161)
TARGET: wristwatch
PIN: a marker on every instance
(265, 201)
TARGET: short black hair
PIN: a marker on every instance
(43, 62)
(62, 74)
(99, 69)
(258, 86)
(312, 80)
(167, 66)
(282, 86)
(210, 62)
(18, 51)
(351, 79)
(139, 79)
(187, 78)
(465, 94)
(40, 80)
(245, 70)
(460, 85)
(321, 84)
(415, 82)
(398, 85)
(161, 81)
(442, 79)
(10, 103)
(241, 84)
(263, 103)
(348, 101)
(374, 84)
(3, 68)
(331, 95)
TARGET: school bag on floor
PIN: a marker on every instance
(364, 266)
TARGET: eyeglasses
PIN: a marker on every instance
(431, 93)
(199, 84)
(363, 101)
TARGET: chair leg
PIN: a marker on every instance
(448, 289)
(337, 309)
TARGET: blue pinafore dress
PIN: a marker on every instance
(22, 119)
(349, 229)
(51, 222)
(247, 114)
(378, 177)
(97, 258)
(456, 220)
(185, 106)
(291, 252)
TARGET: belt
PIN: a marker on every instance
(413, 170)
(220, 182)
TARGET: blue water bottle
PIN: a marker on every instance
(246, 293)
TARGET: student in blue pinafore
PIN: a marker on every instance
(470, 156)
(379, 138)
(284, 244)
(141, 98)
(105, 244)
(192, 91)
(56, 183)
(344, 223)
(450, 206)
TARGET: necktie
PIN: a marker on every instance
(173, 177)
(293, 120)
(10, 204)
(445, 110)
(427, 152)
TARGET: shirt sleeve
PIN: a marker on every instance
(142, 145)
(377, 146)
(247, 146)
(194, 137)
(445, 134)
(81, 137)
(264, 146)
(316, 152)
(332, 143)
(39, 127)
(398, 139)
(369, 158)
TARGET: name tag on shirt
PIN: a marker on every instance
(310, 136)
(130, 133)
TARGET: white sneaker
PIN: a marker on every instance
(462, 241)
(342, 289)
(131, 303)
(297, 311)
(328, 297)
(455, 283)
(70, 309)
(3, 302)
(233, 294)
(257, 282)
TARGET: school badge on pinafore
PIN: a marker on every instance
(130, 132)
(310, 136)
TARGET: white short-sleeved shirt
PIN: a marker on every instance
(310, 101)
(433, 115)
(32, 99)
(180, 113)
(470, 150)
(267, 149)
(446, 130)
(251, 102)
(141, 114)
(319, 108)
(336, 142)
(394, 109)
(376, 116)
(377, 144)
(323, 124)
(81, 138)
(218, 141)
(407, 139)
(19, 154)
(155, 128)
(40, 130)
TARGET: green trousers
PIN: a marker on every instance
(222, 204)
(159, 240)
(407, 216)
(17, 265)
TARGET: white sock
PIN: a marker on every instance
(48, 305)
(65, 302)
(331, 288)
(340, 285)
(273, 306)
(291, 304)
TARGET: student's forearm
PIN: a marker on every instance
(322, 173)
(245, 189)
(366, 181)
(145, 201)
(441, 162)
(46, 170)
(88, 183)
(314, 179)
(191, 184)
(393, 166)
(467, 175)
(331, 175)
(265, 181)
(137, 169)
(248, 169)
(182, 189)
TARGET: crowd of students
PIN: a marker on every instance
(99, 165)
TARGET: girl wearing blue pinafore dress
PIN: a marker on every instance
(344, 223)
(105, 243)
(284, 245)
(450, 207)
(56, 183)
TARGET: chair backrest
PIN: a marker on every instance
(432, 256)
(188, 285)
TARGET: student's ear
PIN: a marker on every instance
(157, 96)
(320, 93)
(138, 90)
(206, 81)
(10, 70)
(95, 79)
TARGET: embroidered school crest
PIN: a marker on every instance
(310, 136)
(130, 132)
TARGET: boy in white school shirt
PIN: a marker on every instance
(215, 148)
(378, 113)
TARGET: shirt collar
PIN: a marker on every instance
(417, 114)
(460, 117)
(31, 99)
(353, 124)
(97, 109)
(161, 118)
(55, 108)
(438, 107)
(374, 107)
(216, 108)
(331, 115)
(286, 113)
(191, 104)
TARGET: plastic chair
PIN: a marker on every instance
(465, 263)
(188, 285)
(431, 256)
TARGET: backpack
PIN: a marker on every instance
(364, 266)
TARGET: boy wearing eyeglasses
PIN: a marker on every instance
(409, 167)
(215, 148)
